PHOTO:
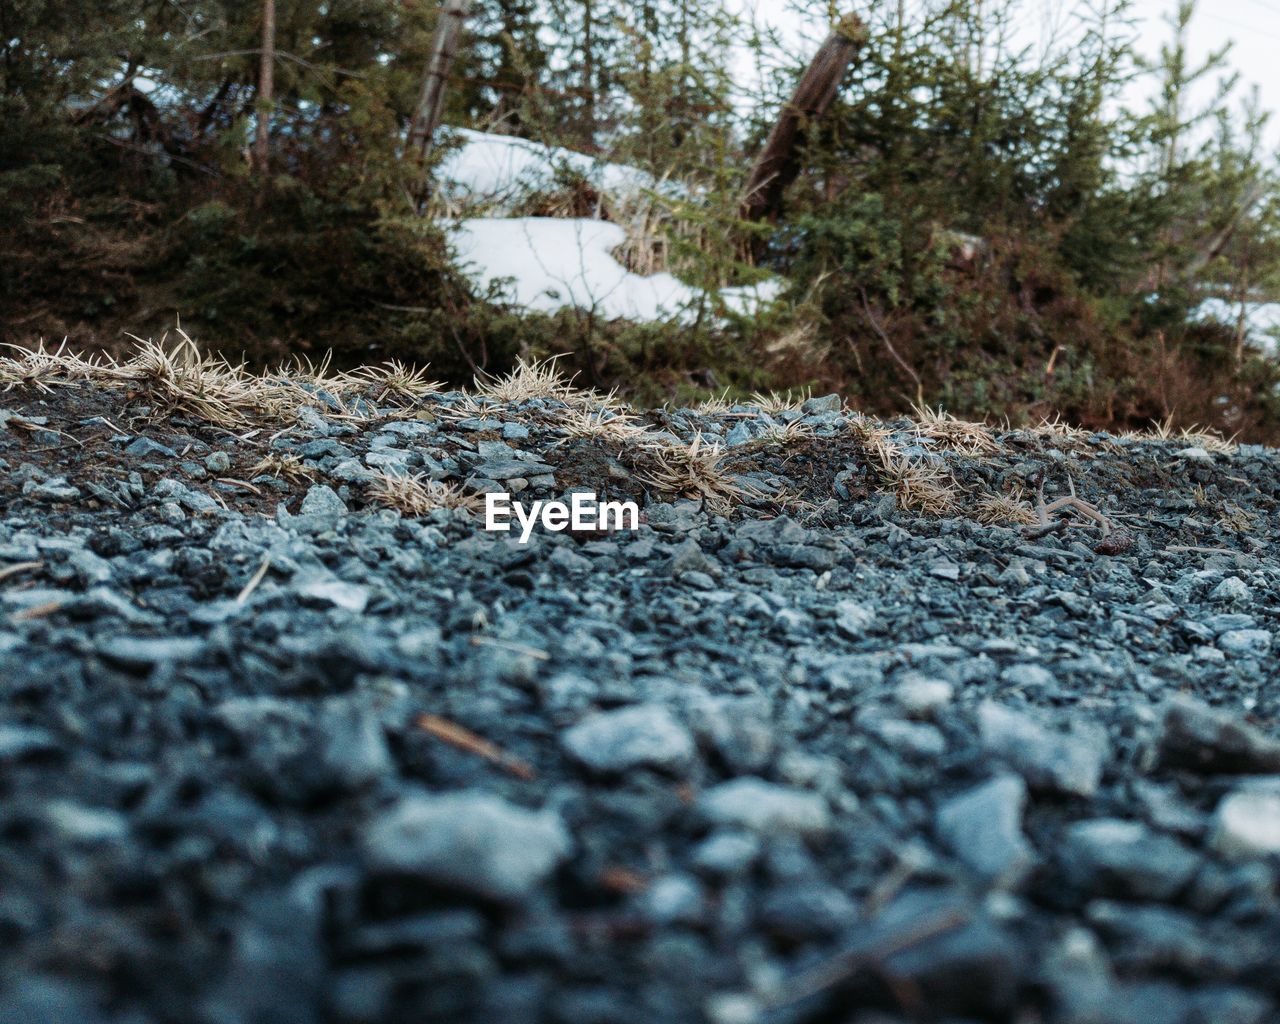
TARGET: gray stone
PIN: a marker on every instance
(983, 827)
(825, 403)
(54, 489)
(508, 469)
(144, 446)
(1247, 825)
(1125, 859)
(1195, 736)
(765, 807)
(350, 597)
(1232, 590)
(727, 853)
(20, 741)
(853, 620)
(647, 736)
(470, 840)
(1047, 760)
(1246, 643)
(1028, 677)
(921, 696)
(144, 652)
(217, 462)
(322, 500)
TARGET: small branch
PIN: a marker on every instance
(884, 337)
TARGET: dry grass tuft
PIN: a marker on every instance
(697, 470)
(918, 485)
(417, 495)
(529, 380)
(1005, 510)
(394, 381)
(1061, 430)
(1208, 439)
(603, 424)
(775, 402)
(958, 435)
(44, 370)
(282, 467)
(182, 379)
(715, 405)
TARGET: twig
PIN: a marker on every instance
(845, 965)
(13, 570)
(884, 338)
(464, 739)
(252, 585)
(489, 641)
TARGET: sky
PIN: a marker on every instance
(1252, 26)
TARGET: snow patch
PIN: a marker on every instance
(552, 263)
(501, 169)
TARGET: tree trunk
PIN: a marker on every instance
(266, 88)
(444, 45)
(778, 164)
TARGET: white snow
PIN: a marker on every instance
(1262, 321)
(547, 264)
(500, 169)
(553, 263)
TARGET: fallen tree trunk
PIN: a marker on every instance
(778, 163)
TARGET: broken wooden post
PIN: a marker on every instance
(778, 162)
(444, 45)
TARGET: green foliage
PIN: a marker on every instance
(987, 228)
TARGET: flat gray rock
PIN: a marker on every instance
(647, 736)
(471, 840)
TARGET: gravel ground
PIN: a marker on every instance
(271, 753)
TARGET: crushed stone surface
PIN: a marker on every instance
(272, 751)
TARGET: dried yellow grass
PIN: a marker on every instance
(282, 467)
(696, 470)
(918, 485)
(960, 436)
(417, 495)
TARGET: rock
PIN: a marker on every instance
(689, 557)
(673, 899)
(144, 446)
(1047, 760)
(727, 854)
(921, 696)
(1028, 677)
(469, 840)
(647, 736)
(1195, 736)
(509, 469)
(322, 500)
(962, 964)
(1231, 590)
(78, 824)
(944, 569)
(1247, 825)
(853, 620)
(144, 652)
(18, 742)
(764, 807)
(54, 489)
(983, 827)
(1246, 643)
(1125, 859)
(351, 597)
(827, 403)
(217, 462)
